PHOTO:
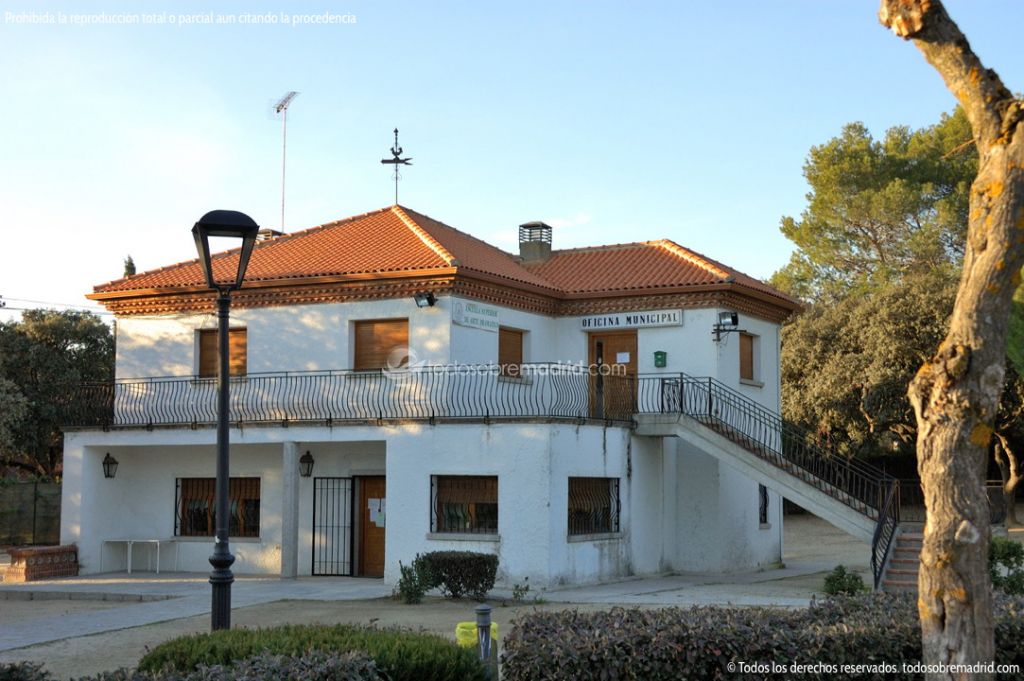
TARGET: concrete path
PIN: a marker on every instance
(812, 547)
(169, 597)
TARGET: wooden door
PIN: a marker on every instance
(372, 519)
(613, 355)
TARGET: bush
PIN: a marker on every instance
(411, 584)
(400, 655)
(23, 671)
(1006, 565)
(458, 573)
(700, 643)
(841, 582)
(313, 666)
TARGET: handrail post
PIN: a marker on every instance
(710, 403)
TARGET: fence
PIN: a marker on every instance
(30, 513)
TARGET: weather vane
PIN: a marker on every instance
(396, 160)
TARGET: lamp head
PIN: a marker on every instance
(225, 223)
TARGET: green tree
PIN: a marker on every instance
(878, 209)
(40, 356)
(846, 364)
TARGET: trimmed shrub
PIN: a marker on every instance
(458, 573)
(23, 671)
(841, 582)
(1006, 565)
(701, 643)
(401, 655)
(313, 666)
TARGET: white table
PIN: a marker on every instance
(129, 542)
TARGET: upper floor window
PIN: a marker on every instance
(381, 343)
(510, 351)
(209, 356)
(464, 503)
(748, 357)
(593, 505)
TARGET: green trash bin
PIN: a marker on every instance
(465, 636)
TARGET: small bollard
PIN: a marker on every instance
(483, 637)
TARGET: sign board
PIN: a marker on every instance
(632, 320)
(475, 315)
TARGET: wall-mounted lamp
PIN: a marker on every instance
(425, 299)
(306, 465)
(109, 466)
(728, 322)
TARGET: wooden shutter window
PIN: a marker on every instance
(510, 351)
(746, 357)
(238, 350)
(376, 339)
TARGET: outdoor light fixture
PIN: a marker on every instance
(223, 223)
(425, 299)
(728, 322)
(306, 465)
(109, 466)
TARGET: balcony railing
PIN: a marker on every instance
(422, 393)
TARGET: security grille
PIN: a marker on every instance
(332, 526)
(195, 512)
(464, 503)
(593, 505)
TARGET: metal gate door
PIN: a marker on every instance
(332, 526)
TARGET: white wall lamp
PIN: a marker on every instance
(109, 466)
(306, 465)
(425, 299)
(728, 322)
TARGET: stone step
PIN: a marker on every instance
(905, 563)
(906, 554)
(899, 572)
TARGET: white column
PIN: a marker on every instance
(290, 510)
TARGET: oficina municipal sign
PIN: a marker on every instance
(632, 320)
(475, 315)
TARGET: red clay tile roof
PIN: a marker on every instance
(644, 265)
(396, 239)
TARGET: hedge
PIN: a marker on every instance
(700, 643)
(314, 666)
(458, 573)
(401, 655)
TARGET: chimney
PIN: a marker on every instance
(268, 234)
(534, 241)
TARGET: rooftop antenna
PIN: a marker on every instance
(282, 108)
(396, 160)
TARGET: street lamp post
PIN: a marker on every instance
(223, 223)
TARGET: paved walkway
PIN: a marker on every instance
(812, 547)
(150, 600)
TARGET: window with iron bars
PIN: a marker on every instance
(593, 506)
(195, 512)
(464, 504)
(762, 511)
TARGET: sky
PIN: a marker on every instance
(124, 122)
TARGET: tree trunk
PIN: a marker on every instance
(956, 394)
(1009, 471)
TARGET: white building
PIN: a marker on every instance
(450, 396)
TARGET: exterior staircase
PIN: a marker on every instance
(905, 563)
(724, 423)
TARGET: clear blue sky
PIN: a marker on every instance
(613, 121)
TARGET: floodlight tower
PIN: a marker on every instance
(282, 108)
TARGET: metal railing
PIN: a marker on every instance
(422, 393)
(912, 508)
(763, 432)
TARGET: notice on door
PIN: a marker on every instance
(377, 511)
